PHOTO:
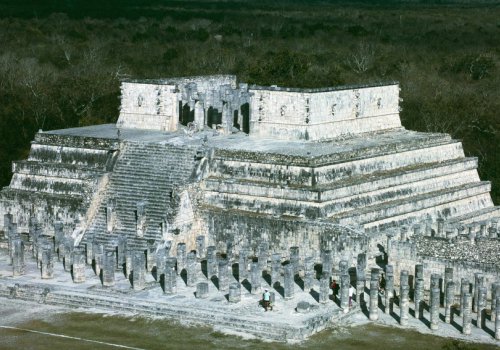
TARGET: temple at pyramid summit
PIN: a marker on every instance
(283, 178)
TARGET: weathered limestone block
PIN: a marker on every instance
(89, 252)
(211, 262)
(191, 269)
(478, 282)
(308, 273)
(58, 232)
(373, 311)
(343, 267)
(243, 265)
(202, 290)
(434, 308)
(495, 292)
(464, 288)
(404, 301)
(448, 277)
(481, 307)
(263, 255)
(234, 293)
(289, 283)
(138, 270)
(449, 300)
(181, 257)
(255, 276)
(170, 281)
(389, 288)
(275, 268)
(18, 264)
(344, 292)
(419, 272)
(467, 314)
(324, 288)
(79, 266)
(161, 263)
(150, 257)
(418, 297)
(121, 252)
(327, 261)
(223, 275)
(129, 257)
(47, 265)
(68, 253)
(404, 278)
(200, 247)
(497, 317)
(295, 259)
(108, 271)
(403, 234)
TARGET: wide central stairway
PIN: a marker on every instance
(373, 181)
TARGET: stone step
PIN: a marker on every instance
(317, 154)
(436, 200)
(327, 208)
(327, 174)
(485, 214)
(343, 188)
(49, 184)
(55, 170)
(69, 155)
(74, 140)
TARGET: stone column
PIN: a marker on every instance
(495, 292)
(161, 263)
(404, 278)
(327, 261)
(478, 282)
(289, 282)
(324, 288)
(263, 255)
(18, 264)
(434, 308)
(78, 267)
(497, 317)
(389, 287)
(482, 229)
(418, 297)
(98, 258)
(138, 270)
(202, 290)
(419, 272)
(89, 251)
(467, 314)
(211, 261)
(150, 257)
(47, 264)
(121, 252)
(464, 288)
(200, 247)
(448, 300)
(255, 276)
(360, 277)
(275, 268)
(481, 306)
(223, 275)
(343, 267)
(58, 234)
(404, 234)
(234, 293)
(448, 277)
(108, 271)
(389, 245)
(229, 252)
(404, 302)
(295, 259)
(170, 280)
(243, 265)
(128, 263)
(181, 257)
(191, 269)
(373, 311)
(308, 273)
(344, 292)
(440, 227)
(417, 230)
(68, 253)
(472, 234)
(435, 277)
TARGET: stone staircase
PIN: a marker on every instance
(144, 172)
(58, 179)
(368, 184)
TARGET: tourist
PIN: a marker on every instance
(334, 287)
(267, 299)
(351, 292)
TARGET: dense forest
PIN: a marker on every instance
(61, 61)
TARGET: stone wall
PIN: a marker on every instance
(316, 114)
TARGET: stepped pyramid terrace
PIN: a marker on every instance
(210, 186)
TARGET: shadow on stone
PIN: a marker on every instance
(235, 269)
(204, 270)
(299, 281)
(183, 275)
(267, 278)
(162, 282)
(246, 284)
(281, 291)
(456, 325)
(215, 281)
(315, 295)
(154, 272)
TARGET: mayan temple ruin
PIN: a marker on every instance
(208, 191)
